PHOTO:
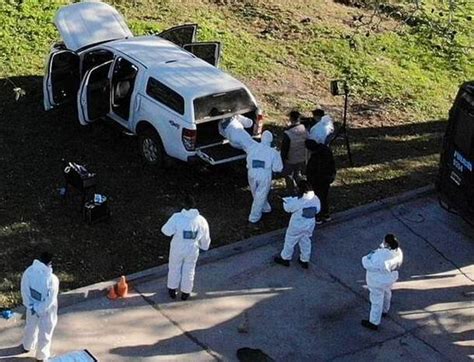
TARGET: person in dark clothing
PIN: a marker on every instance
(293, 152)
(321, 172)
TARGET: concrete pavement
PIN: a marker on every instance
(291, 313)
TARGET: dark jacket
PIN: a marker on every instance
(321, 168)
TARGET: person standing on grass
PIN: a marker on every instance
(322, 132)
(262, 161)
(293, 151)
(303, 210)
(382, 267)
(39, 291)
(321, 173)
(190, 232)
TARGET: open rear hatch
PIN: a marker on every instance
(87, 23)
(215, 149)
(211, 109)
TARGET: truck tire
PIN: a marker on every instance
(151, 147)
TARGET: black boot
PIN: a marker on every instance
(365, 323)
(172, 293)
(279, 260)
(304, 264)
(184, 296)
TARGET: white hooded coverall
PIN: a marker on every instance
(301, 227)
(190, 232)
(234, 130)
(381, 266)
(321, 130)
(39, 290)
(262, 160)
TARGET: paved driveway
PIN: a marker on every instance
(291, 314)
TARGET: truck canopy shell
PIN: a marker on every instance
(86, 23)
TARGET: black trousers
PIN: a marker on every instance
(322, 190)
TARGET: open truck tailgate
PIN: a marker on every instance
(219, 153)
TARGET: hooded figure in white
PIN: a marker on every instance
(382, 267)
(39, 291)
(321, 131)
(234, 130)
(301, 226)
(262, 160)
(190, 232)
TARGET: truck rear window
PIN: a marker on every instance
(222, 103)
(165, 95)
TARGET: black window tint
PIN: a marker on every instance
(464, 125)
(94, 58)
(180, 35)
(222, 103)
(165, 95)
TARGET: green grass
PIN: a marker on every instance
(399, 69)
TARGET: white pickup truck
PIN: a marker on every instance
(165, 88)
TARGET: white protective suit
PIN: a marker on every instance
(190, 232)
(321, 130)
(301, 227)
(234, 130)
(381, 265)
(39, 290)
(262, 160)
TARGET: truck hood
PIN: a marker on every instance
(87, 23)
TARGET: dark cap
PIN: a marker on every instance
(294, 115)
(392, 241)
(318, 112)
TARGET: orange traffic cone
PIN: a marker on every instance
(122, 287)
(112, 294)
(119, 290)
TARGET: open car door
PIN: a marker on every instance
(180, 35)
(208, 51)
(94, 94)
(61, 79)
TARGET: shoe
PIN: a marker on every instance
(326, 218)
(281, 261)
(172, 293)
(365, 323)
(384, 315)
(253, 225)
(184, 296)
(304, 264)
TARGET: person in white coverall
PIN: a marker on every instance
(322, 131)
(262, 160)
(382, 267)
(190, 232)
(39, 291)
(233, 129)
(301, 226)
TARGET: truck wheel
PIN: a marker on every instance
(151, 147)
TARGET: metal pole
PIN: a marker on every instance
(344, 125)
